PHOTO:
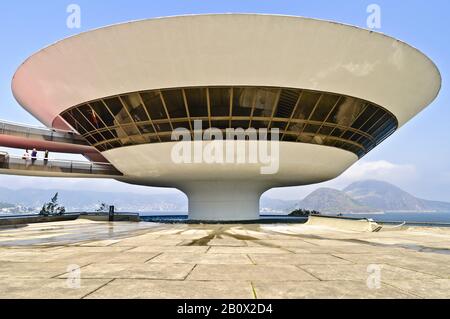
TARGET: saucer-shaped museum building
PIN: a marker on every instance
(334, 92)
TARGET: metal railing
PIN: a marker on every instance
(56, 166)
(34, 132)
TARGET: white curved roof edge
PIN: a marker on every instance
(436, 88)
(228, 13)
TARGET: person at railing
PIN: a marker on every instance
(46, 157)
(33, 156)
(26, 157)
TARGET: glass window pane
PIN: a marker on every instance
(262, 124)
(347, 111)
(90, 139)
(121, 116)
(326, 130)
(174, 103)
(70, 119)
(286, 104)
(243, 99)
(196, 99)
(264, 102)
(108, 135)
(183, 124)
(220, 101)
(163, 127)
(90, 118)
(324, 108)
(166, 137)
(364, 116)
(81, 120)
(146, 128)
(95, 118)
(102, 112)
(375, 119)
(240, 124)
(114, 105)
(134, 106)
(296, 127)
(279, 124)
(384, 122)
(290, 138)
(153, 103)
(307, 103)
(311, 128)
(220, 124)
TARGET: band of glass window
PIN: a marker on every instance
(301, 115)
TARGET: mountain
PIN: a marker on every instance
(387, 197)
(78, 200)
(32, 199)
(6, 205)
(369, 196)
(328, 200)
(360, 197)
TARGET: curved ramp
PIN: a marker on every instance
(13, 165)
(359, 225)
(22, 136)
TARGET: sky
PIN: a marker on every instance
(416, 158)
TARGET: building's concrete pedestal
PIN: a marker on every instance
(223, 201)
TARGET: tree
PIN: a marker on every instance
(103, 208)
(304, 213)
(52, 208)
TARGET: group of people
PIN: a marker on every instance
(33, 156)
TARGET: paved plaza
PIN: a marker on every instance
(86, 259)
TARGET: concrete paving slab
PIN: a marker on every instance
(247, 250)
(31, 270)
(133, 270)
(362, 272)
(14, 288)
(325, 290)
(227, 243)
(296, 259)
(174, 249)
(249, 273)
(170, 289)
(131, 257)
(425, 288)
(207, 259)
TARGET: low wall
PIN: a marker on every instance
(22, 220)
(118, 217)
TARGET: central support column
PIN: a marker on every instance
(223, 201)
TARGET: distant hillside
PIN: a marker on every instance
(89, 200)
(6, 205)
(79, 200)
(271, 205)
(360, 197)
(369, 196)
(387, 197)
(328, 200)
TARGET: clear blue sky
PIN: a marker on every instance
(417, 157)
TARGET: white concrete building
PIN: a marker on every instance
(334, 92)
